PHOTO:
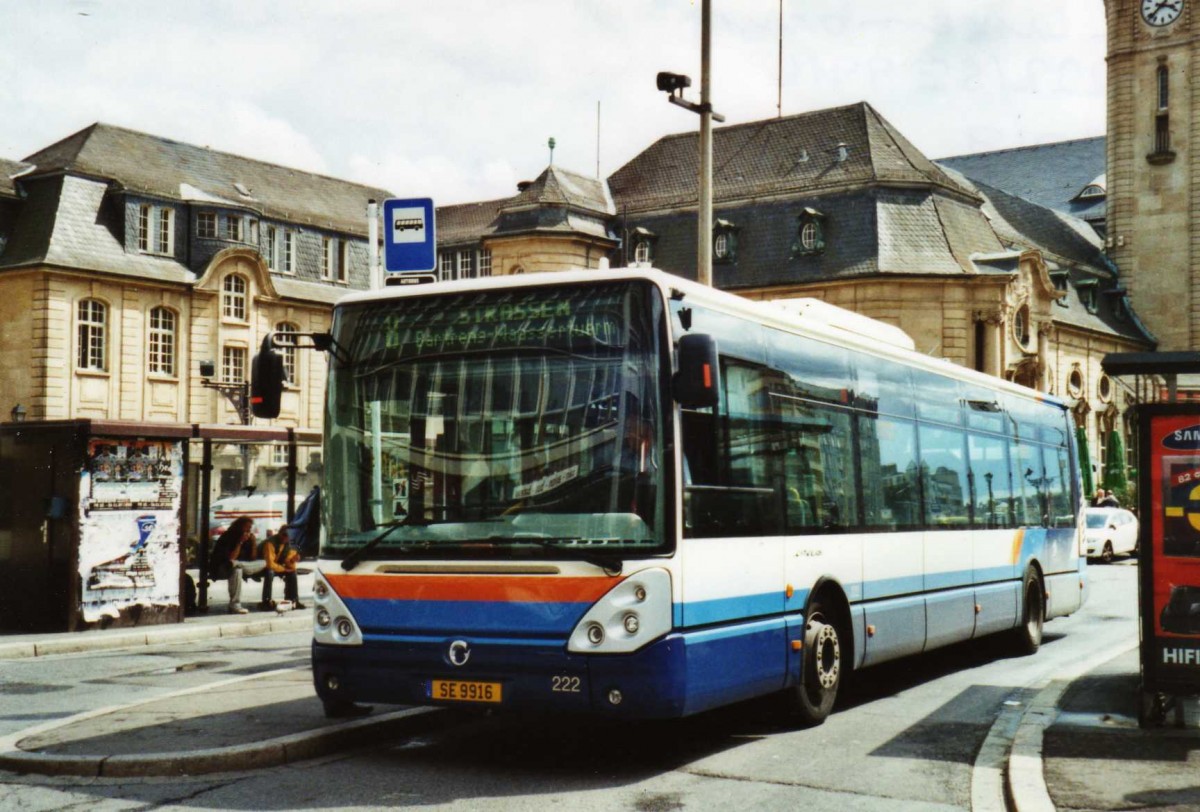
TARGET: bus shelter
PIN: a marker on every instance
(234, 460)
(97, 516)
(1168, 534)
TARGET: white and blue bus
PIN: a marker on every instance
(621, 493)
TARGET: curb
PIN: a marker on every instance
(1026, 780)
(234, 758)
(83, 642)
(238, 758)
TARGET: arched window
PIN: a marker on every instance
(285, 337)
(91, 322)
(160, 342)
(1164, 88)
(233, 299)
(641, 251)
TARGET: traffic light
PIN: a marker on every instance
(266, 381)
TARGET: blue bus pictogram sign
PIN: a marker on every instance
(410, 242)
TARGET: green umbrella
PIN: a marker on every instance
(1114, 467)
(1085, 462)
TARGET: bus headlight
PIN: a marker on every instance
(632, 614)
(333, 622)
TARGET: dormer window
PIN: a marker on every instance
(233, 227)
(725, 241)
(1061, 281)
(1091, 192)
(206, 225)
(1088, 294)
(156, 230)
(810, 233)
(642, 241)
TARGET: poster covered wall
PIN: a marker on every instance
(129, 502)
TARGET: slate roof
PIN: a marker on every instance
(778, 156)
(7, 169)
(1024, 224)
(467, 222)
(557, 201)
(161, 167)
(63, 222)
(558, 186)
(1051, 175)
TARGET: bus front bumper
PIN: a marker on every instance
(517, 675)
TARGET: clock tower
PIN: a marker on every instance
(1153, 180)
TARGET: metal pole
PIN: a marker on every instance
(205, 506)
(376, 283)
(704, 237)
(779, 104)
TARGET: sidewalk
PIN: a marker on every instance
(1096, 757)
(219, 727)
(216, 622)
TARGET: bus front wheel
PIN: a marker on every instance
(812, 700)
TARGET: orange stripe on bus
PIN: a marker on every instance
(472, 588)
(1018, 540)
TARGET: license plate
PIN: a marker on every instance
(453, 690)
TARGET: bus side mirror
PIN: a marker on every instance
(266, 381)
(697, 382)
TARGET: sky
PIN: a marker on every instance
(457, 99)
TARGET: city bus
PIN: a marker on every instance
(621, 493)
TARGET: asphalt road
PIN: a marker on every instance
(906, 735)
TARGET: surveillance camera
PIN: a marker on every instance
(671, 82)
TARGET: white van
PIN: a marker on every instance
(268, 510)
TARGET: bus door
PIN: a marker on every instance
(731, 555)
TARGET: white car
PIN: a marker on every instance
(1110, 532)
(267, 510)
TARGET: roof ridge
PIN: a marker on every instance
(100, 125)
(1024, 148)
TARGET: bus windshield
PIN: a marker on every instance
(502, 423)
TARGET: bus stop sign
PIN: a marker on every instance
(410, 244)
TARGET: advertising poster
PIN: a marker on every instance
(129, 526)
(1173, 574)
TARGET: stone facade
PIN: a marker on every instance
(1153, 116)
(158, 256)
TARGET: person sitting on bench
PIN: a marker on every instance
(280, 562)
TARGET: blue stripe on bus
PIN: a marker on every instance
(720, 610)
(452, 617)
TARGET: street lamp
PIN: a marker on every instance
(238, 394)
(674, 84)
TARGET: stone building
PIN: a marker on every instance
(1153, 120)
(127, 260)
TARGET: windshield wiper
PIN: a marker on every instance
(351, 561)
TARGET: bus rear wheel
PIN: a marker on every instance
(1028, 636)
(812, 700)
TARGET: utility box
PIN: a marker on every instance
(1169, 555)
(90, 524)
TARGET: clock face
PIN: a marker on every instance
(1161, 12)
